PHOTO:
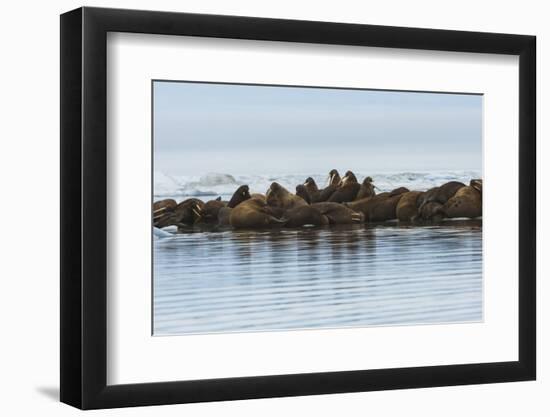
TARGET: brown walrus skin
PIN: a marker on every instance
(315, 194)
(241, 194)
(185, 213)
(339, 213)
(281, 207)
(407, 210)
(366, 189)
(301, 191)
(334, 178)
(361, 205)
(208, 213)
(224, 215)
(478, 185)
(304, 215)
(163, 210)
(334, 182)
(167, 204)
(432, 211)
(348, 189)
(397, 191)
(381, 207)
(253, 213)
(311, 188)
(258, 196)
(465, 203)
(440, 194)
(278, 196)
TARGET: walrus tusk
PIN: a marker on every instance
(159, 210)
(196, 212)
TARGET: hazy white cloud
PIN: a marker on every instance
(230, 128)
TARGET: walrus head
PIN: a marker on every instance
(277, 188)
(207, 212)
(349, 178)
(241, 194)
(334, 177)
(367, 189)
(189, 210)
(196, 208)
(310, 184)
(273, 188)
(276, 194)
(477, 184)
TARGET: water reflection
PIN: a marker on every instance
(229, 281)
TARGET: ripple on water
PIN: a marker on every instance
(235, 281)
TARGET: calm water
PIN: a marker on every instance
(237, 281)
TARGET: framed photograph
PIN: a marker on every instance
(259, 208)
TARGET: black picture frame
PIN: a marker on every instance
(84, 207)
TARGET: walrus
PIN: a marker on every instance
(162, 209)
(278, 196)
(465, 203)
(383, 209)
(208, 212)
(478, 185)
(440, 194)
(334, 178)
(301, 191)
(315, 194)
(338, 213)
(166, 204)
(185, 213)
(406, 209)
(304, 215)
(253, 213)
(241, 194)
(312, 190)
(224, 215)
(348, 189)
(366, 189)
(432, 211)
(361, 205)
(334, 182)
(379, 208)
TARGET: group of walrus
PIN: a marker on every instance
(342, 201)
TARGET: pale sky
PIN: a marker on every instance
(244, 129)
